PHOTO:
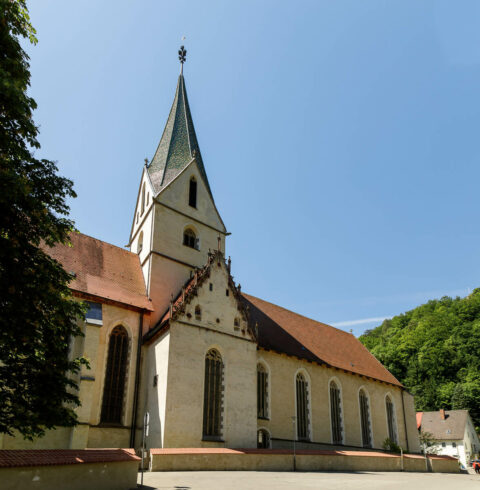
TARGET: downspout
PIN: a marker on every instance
(405, 420)
(137, 383)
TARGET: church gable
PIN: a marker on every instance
(211, 300)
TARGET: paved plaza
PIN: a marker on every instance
(254, 480)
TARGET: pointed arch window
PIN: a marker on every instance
(143, 199)
(365, 419)
(213, 396)
(392, 433)
(302, 397)
(115, 376)
(190, 239)
(336, 414)
(192, 193)
(262, 392)
(140, 242)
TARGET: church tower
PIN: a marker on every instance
(176, 221)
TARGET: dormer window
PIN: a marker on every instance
(192, 193)
(190, 239)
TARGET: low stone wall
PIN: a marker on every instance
(212, 459)
(68, 469)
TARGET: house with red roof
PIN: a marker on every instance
(170, 333)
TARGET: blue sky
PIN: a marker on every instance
(340, 137)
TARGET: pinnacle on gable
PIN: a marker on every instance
(178, 145)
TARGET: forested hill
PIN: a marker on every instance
(434, 350)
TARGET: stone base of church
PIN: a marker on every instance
(222, 459)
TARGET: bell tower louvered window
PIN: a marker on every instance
(336, 414)
(213, 396)
(365, 419)
(262, 392)
(114, 387)
(392, 433)
(302, 408)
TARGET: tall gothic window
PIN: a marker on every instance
(143, 199)
(365, 419)
(189, 238)
(302, 407)
(392, 433)
(114, 387)
(336, 414)
(213, 395)
(192, 193)
(262, 392)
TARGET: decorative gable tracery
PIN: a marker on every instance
(200, 276)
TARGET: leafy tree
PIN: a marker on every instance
(428, 443)
(39, 316)
(434, 350)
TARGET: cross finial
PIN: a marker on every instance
(182, 56)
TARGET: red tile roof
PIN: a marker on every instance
(419, 420)
(287, 332)
(10, 458)
(103, 270)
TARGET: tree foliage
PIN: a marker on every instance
(39, 316)
(434, 350)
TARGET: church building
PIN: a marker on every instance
(170, 333)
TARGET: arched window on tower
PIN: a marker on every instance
(140, 243)
(192, 193)
(143, 199)
(190, 239)
(336, 414)
(262, 392)
(302, 395)
(365, 419)
(392, 432)
(115, 375)
(213, 396)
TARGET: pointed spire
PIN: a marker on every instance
(178, 145)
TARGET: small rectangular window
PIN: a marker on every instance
(94, 313)
(211, 287)
(444, 444)
(227, 292)
(454, 444)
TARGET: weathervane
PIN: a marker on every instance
(182, 56)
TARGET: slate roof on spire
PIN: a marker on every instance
(178, 145)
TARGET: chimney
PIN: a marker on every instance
(442, 414)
